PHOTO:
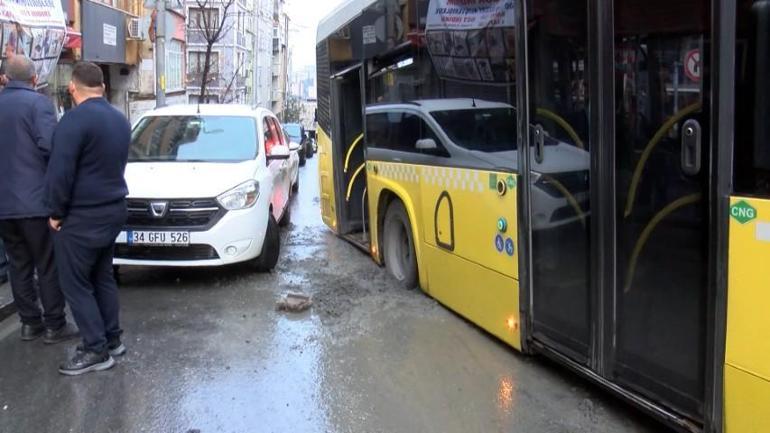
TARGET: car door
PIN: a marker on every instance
(282, 183)
(274, 167)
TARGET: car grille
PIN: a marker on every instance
(190, 214)
(145, 252)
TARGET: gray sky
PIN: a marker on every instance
(304, 15)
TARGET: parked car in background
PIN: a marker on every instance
(208, 186)
(297, 133)
(313, 141)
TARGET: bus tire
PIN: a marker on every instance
(271, 248)
(398, 246)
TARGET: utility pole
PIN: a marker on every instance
(160, 53)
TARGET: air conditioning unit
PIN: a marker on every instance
(134, 28)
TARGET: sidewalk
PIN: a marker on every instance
(6, 301)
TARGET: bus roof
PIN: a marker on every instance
(341, 15)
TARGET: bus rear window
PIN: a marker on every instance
(483, 129)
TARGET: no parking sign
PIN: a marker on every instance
(692, 66)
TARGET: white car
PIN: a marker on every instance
(474, 131)
(208, 186)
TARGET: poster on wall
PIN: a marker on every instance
(34, 28)
(473, 40)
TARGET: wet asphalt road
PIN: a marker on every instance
(209, 353)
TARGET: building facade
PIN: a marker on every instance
(228, 26)
(280, 70)
(263, 58)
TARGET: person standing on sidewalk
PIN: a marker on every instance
(27, 121)
(87, 203)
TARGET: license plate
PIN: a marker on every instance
(179, 239)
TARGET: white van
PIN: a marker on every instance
(208, 186)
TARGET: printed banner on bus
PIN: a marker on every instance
(473, 40)
(35, 28)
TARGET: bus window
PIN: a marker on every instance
(752, 104)
(400, 131)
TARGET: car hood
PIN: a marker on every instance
(559, 158)
(185, 179)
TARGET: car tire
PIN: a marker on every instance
(295, 187)
(310, 152)
(398, 246)
(116, 273)
(301, 158)
(271, 247)
(286, 217)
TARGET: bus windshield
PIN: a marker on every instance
(481, 129)
(194, 138)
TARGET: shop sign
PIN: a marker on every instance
(34, 28)
(473, 40)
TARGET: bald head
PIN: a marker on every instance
(20, 68)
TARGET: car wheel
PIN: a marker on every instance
(286, 217)
(301, 159)
(295, 187)
(116, 273)
(398, 246)
(271, 247)
(309, 150)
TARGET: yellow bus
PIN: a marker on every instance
(585, 180)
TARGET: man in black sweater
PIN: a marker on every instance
(27, 122)
(86, 197)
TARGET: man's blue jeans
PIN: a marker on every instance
(3, 264)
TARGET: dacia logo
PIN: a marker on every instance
(158, 209)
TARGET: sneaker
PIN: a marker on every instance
(114, 347)
(86, 362)
(65, 333)
(31, 332)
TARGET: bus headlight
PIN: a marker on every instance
(241, 197)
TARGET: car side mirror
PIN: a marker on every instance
(426, 144)
(279, 151)
(293, 146)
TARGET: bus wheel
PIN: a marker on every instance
(398, 244)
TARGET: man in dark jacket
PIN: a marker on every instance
(87, 201)
(27, 121)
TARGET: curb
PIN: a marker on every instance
(7, 311)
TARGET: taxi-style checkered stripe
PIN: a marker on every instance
(447, 178)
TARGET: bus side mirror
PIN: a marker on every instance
(426, 144)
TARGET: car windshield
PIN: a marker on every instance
(482, 129)
(194, 138)
(293, 130)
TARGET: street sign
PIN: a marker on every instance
(743, 212)
(692, 65)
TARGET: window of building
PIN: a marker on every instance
(196, 61)
(203, 18)
(174, 66)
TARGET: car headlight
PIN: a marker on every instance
(241, 197)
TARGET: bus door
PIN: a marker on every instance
(662, 165)
(347, 144)
(638, 317)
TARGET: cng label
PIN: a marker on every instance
(743, 212)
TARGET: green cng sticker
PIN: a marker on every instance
(511, 182)
(743, 212)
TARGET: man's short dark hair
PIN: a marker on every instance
(87, 74)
